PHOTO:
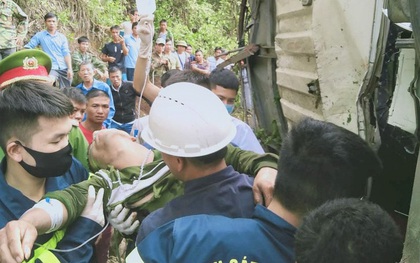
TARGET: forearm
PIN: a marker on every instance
(202, 71)
(67, 59)
(249, 162)
(124, 49)
(141, 83)
(41, 219)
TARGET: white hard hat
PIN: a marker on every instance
(188, 120)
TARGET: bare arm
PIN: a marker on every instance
(17, 237)
(67, 59)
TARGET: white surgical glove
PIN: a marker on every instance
(119, 220)
(146, 31)
(94, 209)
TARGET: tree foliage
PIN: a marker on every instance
(204, 24)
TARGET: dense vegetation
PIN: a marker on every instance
(202, 23)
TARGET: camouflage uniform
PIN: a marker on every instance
(157, 69)
(78, 57)
(13, 24)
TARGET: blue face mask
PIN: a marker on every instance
(230, 107)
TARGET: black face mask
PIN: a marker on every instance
(48, 164)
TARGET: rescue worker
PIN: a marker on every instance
(319, 161)
(193, 140)
(35, 65)
(145, 183)
(34, 127)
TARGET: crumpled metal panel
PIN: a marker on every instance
(399, 11)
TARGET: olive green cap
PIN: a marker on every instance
(23, 65)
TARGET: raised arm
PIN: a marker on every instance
(140, 82)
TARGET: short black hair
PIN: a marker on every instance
(224, 78)
(74, 94)
(93, 93)
(23, 102)
(117, 27)
(49, 15)
(167, 75)
(134, 25)
(348, 231)
(217, 48)
(163, 21)
(132, 11)
(82, 39)
(320, 161)
(189, 76)
(209, 159)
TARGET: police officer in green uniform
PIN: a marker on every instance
(34, 64)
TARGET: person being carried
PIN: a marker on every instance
(146, 184)
(352, 230)
(318, 162)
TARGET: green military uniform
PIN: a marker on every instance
(78, 57)
(153, 190)
(13, 24)
(157, 68)
(80, 146)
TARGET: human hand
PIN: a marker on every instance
(19, 42)
(119, 220)
(146, 31)
(264, 185)
(121, 40)
(69, 74)
(16, 241)
(94, 206)
(111, 59)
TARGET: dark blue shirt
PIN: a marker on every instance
(13, 204)
(226, 193)
(112, 49)
(203, 238)
(99, 85)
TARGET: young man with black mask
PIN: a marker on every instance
(34, 127)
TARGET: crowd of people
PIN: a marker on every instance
(84, 179)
